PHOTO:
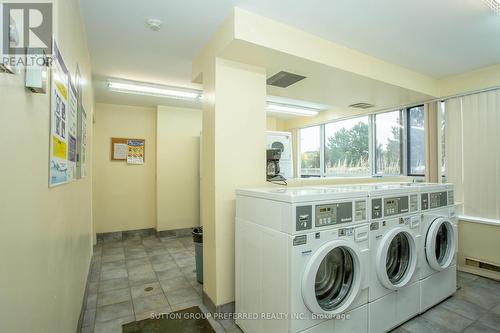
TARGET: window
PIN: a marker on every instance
(388, 143)
(347, 147)
(416, 141)
(388, 136)
(310, 143)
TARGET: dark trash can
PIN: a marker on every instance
(198, 252)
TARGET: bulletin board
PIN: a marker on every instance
(132, 151)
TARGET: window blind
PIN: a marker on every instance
(473, 152)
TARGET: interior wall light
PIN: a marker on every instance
(291, 109)
(139, 88)
(494, 5)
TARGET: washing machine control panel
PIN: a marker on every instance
(396, 205)
(438, 199)
(335, 213)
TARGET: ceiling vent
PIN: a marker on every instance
(284, 79)
(361, 105)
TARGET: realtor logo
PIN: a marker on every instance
(26, 26)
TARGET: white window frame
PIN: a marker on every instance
(371, 144)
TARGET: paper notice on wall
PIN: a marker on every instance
(72, 132)
(120, 151)
(135, 151)
(82, 158)
(58, 168)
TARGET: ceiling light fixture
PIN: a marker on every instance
(494, 5)
(154, 24)
(139, 88)
(296, 110)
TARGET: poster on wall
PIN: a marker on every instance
(72, 132)
(82, 156)
(135, 154)
(58, 169)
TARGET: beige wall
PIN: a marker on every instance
(124, 195)
(480, 242)
(178, 160)
(45, 243)
(228, 163)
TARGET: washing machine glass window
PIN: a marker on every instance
(398, 258)
(334, 278)
(440, 244)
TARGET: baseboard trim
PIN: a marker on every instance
(220, 310)
(107, 237)
(85, 294)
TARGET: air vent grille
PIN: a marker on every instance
(361, 105)
(284, 79)
(482, 264)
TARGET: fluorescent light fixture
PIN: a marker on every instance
(494, 5)
(296, 110)
(140, 88)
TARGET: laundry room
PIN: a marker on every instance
(250, 166)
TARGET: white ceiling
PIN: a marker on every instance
(434, 37)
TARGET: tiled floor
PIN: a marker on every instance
(473, 308)
(132, 278)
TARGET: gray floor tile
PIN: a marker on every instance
(113, 265)
(114, 274)
(422, 325)
(149, 303)
(113, 284)
(169, 273)
(445, 318)
(185, 262)
(463, 308)
(493, 285)
(162, 266)
(147, 289)
(114, 311)
(92, 287)
(478, 295)
(112, 245)
(140, 269)
(160, 258)
(182, 255)
(195, 302)
(87, 329)
(158, 251)
(142, 278)
(496, 309)
(491, 320)
(478, 328)
(113, 296)
(113, 326)
(91, 302)
(136, 254)
(182, 295)
(89, 317)
(174, 283)
(131, 263)
(112, 251)
(114, 257)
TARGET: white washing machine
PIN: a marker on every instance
(438, 272)
(395, 242)
(301, 258)
(282, 141)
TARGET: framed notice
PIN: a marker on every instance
(59, 122)
(119, 149)
(132, 151)
(135, 153)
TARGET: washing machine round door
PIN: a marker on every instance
(396, 258)
(440, 244)
(332, 278)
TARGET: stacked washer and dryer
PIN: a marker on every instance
(300, 252)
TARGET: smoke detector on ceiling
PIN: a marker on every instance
(361, 105)
(154, 24)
